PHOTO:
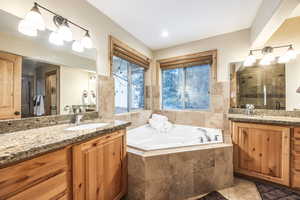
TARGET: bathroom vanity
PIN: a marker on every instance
(267, 147)
(60, 163)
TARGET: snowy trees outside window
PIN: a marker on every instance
(129, 85)
(186, 88)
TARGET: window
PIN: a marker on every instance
(186, 88)
(129, 85)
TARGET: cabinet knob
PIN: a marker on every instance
(17, 113)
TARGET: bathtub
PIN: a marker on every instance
(146, 138)
(184, 163)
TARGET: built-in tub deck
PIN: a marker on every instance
(180, 165)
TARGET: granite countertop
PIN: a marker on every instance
(276, 120)
(22, 145)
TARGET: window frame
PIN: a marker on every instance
(166, 63)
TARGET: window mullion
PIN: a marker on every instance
(129, 87)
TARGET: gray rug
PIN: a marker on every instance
(269, 191)
(213, 196)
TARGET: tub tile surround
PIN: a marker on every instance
(179, 175)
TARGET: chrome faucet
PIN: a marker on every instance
(250, 109)
(78, 116)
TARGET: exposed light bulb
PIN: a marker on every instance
(87, 41)
(291, 53)
(56, 39)
(267, 59)
(35, 18)
(165, 33)
(65, 32)
(250, 60)
(27, 29)
(77, 46)
(283, 59)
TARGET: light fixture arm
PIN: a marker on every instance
(275, 47)
(54, 13)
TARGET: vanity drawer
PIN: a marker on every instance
(297, 133)
(296, 145)
(295, 179)
(53, 188)
(28, 174)
(295, 161)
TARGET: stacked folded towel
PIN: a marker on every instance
(160, 123)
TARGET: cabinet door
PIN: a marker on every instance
(10, 86)
(243, 157)
(262, 151)
(98, 169)
(112, 178)
(88, 172)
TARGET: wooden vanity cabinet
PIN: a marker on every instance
(92, 170)
(44, 177)
(100, 168)
(295, 159)
(262, 151)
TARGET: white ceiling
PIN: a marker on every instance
(185, 20)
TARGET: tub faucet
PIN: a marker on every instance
(249, 109)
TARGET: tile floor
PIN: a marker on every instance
(242, 190)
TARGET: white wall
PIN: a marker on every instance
(86, 15)
(73, 82)
(232, 47)
(292, 83)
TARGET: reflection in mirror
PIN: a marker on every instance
(40, 79)
(262, 86)
(272, 87)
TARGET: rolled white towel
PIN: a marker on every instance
(156, 124)
(159, 117)
(167, 126)
(160, 126)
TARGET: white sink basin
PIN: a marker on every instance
(86, 127)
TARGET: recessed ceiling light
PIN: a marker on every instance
(165, 33)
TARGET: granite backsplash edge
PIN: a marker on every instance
(282, 113)
(13, 125)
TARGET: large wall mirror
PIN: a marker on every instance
(40, 79)
(273, 87)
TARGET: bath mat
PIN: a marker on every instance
(269, 191)
(213, 196)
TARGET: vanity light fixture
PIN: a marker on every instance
(268, 56)
(55, 38)
(87, 41)
(77, 46)
(250, 60)
(34, 21)
(64, 30)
